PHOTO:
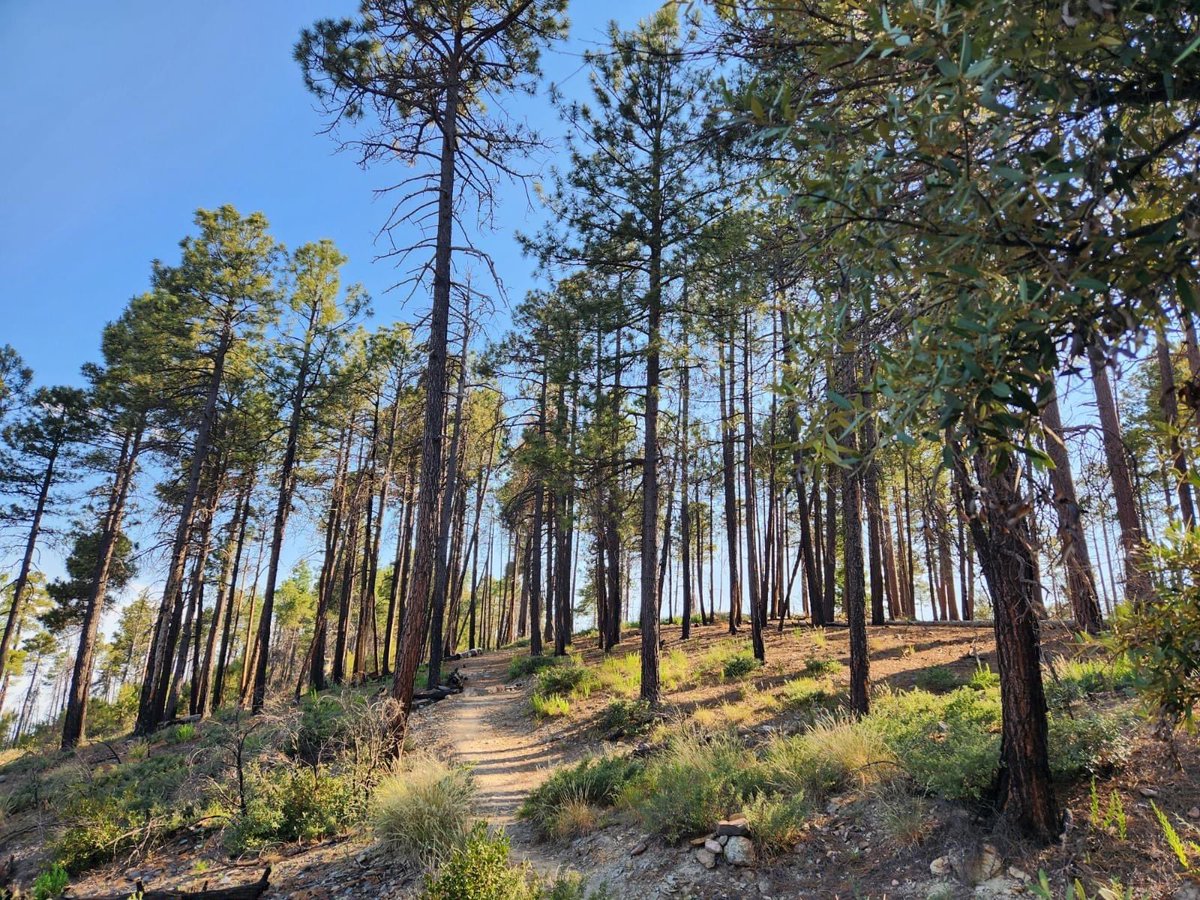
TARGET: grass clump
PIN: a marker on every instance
(815, 667)
(520, 666)
(983, 678)
(423, 811)
(902, 815)
(181, 734)
(835, 753)
(569, 681)
(739, 665)
(698, 779)
(805, 693)
(775, 822)
(549, 707)
(938, 679)
(51, 883)
(596, 782)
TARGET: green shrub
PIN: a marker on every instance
(424, 810)
(805, 693)
(1076, 679)
(521, 666)
(698, 779)
(938, 679)
(949, 744)
(775, 822)
(181, 734)
(478, 869)
(569, 681)
(834, 753)
(321, 731)
(620, 674)
(815, 667)
(51, 883)
(99, 829)
(1089, 743)
(627, 718)
(293, 803)
(596, 781)
(739, 665)
(984, 679)
(550, 707)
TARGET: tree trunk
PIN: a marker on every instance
(1081, 585)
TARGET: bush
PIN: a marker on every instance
(627, 718)
(1076, 679)
(739, 665)
(949, 744)
(775, 822)
(424, 810)
(99, 829)
(51, 883)
(836, 752)
(478, 869)
(181, 734)
(595, 781)
(697, 780)
(937, 679)
(814, 667)
(805, 693)
(520, 666)
(549, 707)
(569, 681)
(293, 803)
(1161, 639)
(1091, 743)
(983, 679)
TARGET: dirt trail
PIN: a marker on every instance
(488, 728)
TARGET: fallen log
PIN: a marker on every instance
(241, 892)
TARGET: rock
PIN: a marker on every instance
(1194, 812)
(740, 851)
(989, 864)
(940, 866)
(698, 841)
(1186, 892)
(978, 866)
(997, 887)
(706, 858)
(1018, 874)
(735, 827)
(638, 849)
(722, 839)
(714, 847)
(1147, 792)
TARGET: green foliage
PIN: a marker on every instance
(549, 707)
(105, 718)
(100, 828)
(596, 780)
(424, 810)
(739, 665)
(569, 681)
(837, 751)
(1091, 742)
(294, 803)
(815, 667)
(938, 679)
(182, 733)
(1183, 850)
(478, 869)
(1112, 816)
(775, 821)
(949, 744)
(627, 718)
(697, 779)
(983, 679)
(805, 693)
(1162, 639)
(520, 666)
(1075, 679)
(51, 883)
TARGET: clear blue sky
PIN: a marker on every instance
(123, 118)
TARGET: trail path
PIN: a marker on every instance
(487, 727)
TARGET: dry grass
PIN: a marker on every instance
(424, 810)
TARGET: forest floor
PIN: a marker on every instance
(842, 853)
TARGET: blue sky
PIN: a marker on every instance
(125, 117)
